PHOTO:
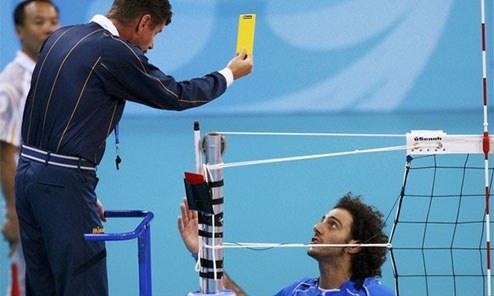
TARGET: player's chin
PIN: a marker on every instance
(313, 252)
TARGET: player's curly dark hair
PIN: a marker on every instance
(368, 227)
(127, 11)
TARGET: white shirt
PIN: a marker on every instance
(15, 81)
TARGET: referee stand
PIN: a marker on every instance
(143, 234)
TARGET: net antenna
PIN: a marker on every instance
(486, 146)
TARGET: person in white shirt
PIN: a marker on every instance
(34, 21)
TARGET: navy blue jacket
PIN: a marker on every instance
(81, 81)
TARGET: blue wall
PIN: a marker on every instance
(389, 56)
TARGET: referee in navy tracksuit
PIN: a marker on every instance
(78, 91)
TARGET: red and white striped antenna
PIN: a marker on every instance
(486, 149)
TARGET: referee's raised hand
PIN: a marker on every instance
(241, 65)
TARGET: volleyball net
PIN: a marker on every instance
(439, 239)
(440, 235)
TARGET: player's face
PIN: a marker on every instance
(41, 19)
(334, 228)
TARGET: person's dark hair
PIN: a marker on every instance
(126, 11)
(20, 13)
(368, 228)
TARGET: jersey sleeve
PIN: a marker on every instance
(129, 75)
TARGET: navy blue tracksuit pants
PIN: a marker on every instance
(46, 195)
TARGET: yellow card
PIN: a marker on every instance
(246, 29)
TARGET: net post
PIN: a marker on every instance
(211, 225)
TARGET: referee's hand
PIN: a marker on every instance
(241, 64)
(101, 210)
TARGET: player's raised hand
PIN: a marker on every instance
(241, 64)
(188, 227)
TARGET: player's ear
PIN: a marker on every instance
(353, 249)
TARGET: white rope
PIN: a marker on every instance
(227, 245)
(197, 266)
(293, 158)
(313, 134)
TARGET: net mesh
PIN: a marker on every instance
(438, 236)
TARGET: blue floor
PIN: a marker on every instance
(265, 203)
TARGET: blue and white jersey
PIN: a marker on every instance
(310, 287)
